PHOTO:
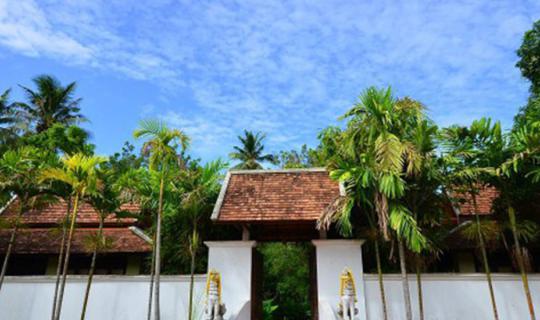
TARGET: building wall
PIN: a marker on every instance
(446, 296)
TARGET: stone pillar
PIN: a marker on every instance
(332, 257)
(233, 260)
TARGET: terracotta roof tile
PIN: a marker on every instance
(484, 201)
(53, 213)
(44, 241)
(275, 195)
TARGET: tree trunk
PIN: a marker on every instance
(60, 259)
(192, 273)
(419, 288)
(11, 243)
(380, 278)
(405, 281)
(66, 259)
(486, 268)
(152, 272)
(519, 256)
(92, 267)
(158, 248)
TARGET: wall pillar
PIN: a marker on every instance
(332, 257)
(233, 260)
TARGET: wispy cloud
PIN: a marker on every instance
(286, 68)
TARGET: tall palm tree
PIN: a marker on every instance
(80, 172)
(466, 173)
(161, 148)
(50, 103)
(8, 120)
(379, 155)
(105, 201)
(18, 171)
(250, 152)
(198, 189)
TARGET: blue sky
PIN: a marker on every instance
(289, 69)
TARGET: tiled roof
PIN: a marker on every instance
(484, 201)
(275, 195)
(53, 213)
(47, 241)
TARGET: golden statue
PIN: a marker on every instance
(214, 308)
(347, 291)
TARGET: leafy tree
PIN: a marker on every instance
(80, 172)
(161, 148)
(251, 151)
(18, 171)
(529, 53)
(50, 103)
(61, 139)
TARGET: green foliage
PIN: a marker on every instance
(286, 280)
(250, 153)
(269, 308)
(528, 52)
(50, 103)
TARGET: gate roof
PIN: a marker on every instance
(274, 196)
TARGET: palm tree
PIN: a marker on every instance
(51, 103)
(106, 202)
(161, 148)
(198, 190)
(377, 155)
(467, 174)
(7, 120)
(250, 152)
(80, 172)
(18, 171)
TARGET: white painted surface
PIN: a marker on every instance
(332, 257)
(233, 259)
(112, 297)
(454, 296)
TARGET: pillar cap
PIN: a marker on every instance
(338, 242)
(230, 244)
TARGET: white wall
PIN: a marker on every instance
(454, 296)
(112, 297)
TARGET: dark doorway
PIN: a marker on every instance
(287, 289)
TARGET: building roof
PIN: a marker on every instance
(47, 241)
(40, 233)
(53, 213)
(259, 196)
(484, 202)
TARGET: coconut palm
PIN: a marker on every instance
(8, 120)
(251, 151)
(50, 103)
(18, 171)
(161, 149)
(80, 172)
(378, 155)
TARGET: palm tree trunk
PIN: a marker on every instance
(67, 254)
(419, 288)
(158, 248)
(11, 243)
(152, 273)
(192, 273)
(519, 256)
(60, 259)
(92, 268)
(405, 280)
(486, 268)
(380, 278)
